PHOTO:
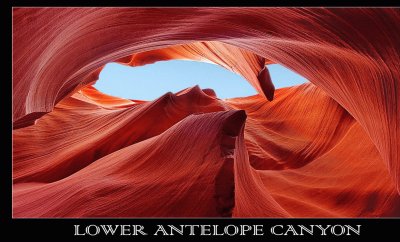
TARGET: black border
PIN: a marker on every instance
(202, 3)
(382, 229)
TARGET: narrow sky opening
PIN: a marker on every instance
(154, 80)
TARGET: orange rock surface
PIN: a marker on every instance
(328, 148)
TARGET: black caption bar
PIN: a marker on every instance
(208, 229)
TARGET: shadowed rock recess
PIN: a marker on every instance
(328, 148)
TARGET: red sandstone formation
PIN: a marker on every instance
(328, 148)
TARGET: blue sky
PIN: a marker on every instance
(152, 81)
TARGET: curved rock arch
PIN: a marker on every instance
(351, 54)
